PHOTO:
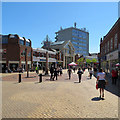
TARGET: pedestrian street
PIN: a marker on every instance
(62, 98)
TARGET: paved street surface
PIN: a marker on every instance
(63, 98)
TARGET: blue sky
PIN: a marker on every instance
(34, 20)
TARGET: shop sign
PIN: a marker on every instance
(112, 56)
(42, 60)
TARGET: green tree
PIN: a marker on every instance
(80, 60)
(88, 61)
(94, 60)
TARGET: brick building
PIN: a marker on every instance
(16, 52)
(109, 48)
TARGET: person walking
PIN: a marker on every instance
(55, 73)
(79, 74)
(114, 76)
(51, 72)
(69, 72)
(36, 69)
(90, 72)
(60, 70)
(43, 69)
(101, 82)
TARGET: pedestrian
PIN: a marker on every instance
(69, 72)
(55, 73)
(43, 69)
(60, 70)
(36, 68)
(114, 76)
(52, 72)
(79, 74)
(90, 72)
(88, 68)
(74, 69)
(101, 82)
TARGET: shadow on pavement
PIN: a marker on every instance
(30, 77)
(67, 79)
(76, 82)
(96, 99)
(16, 83)
(37, 82)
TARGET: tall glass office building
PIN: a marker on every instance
(78, 37)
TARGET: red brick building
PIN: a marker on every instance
(16, 52)
(109, 47)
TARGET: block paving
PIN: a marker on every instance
(62, 98)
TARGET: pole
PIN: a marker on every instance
(19, 78)
(40, 78)
(27, 71)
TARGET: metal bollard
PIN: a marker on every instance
(19, 77)
(40, 79)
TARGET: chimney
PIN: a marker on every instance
(75, 24)
(101, 40)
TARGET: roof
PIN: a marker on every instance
(57, 43)
(86, 31)
(43, 50)
(60, 45)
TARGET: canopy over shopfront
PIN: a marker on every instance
(72, 64)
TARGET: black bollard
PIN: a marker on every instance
(40, 79)
(19, 77)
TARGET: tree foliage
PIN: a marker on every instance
(80, 60)
(94, 60)
(88, 61)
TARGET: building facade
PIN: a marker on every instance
(39, 57)
(67, 51)
(16, 52)
(109, 48)
(78, 37)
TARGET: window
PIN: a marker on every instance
(4, 39)
(105, 48)
(23, 53)
(111, 45)
(60, 56)
(29, 54)
(21, 42)
(79, 34)
(27, 43)
(115, 41)
(108, 46)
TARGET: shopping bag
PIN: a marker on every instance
(96, 86)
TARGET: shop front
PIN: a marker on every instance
(112, 60)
